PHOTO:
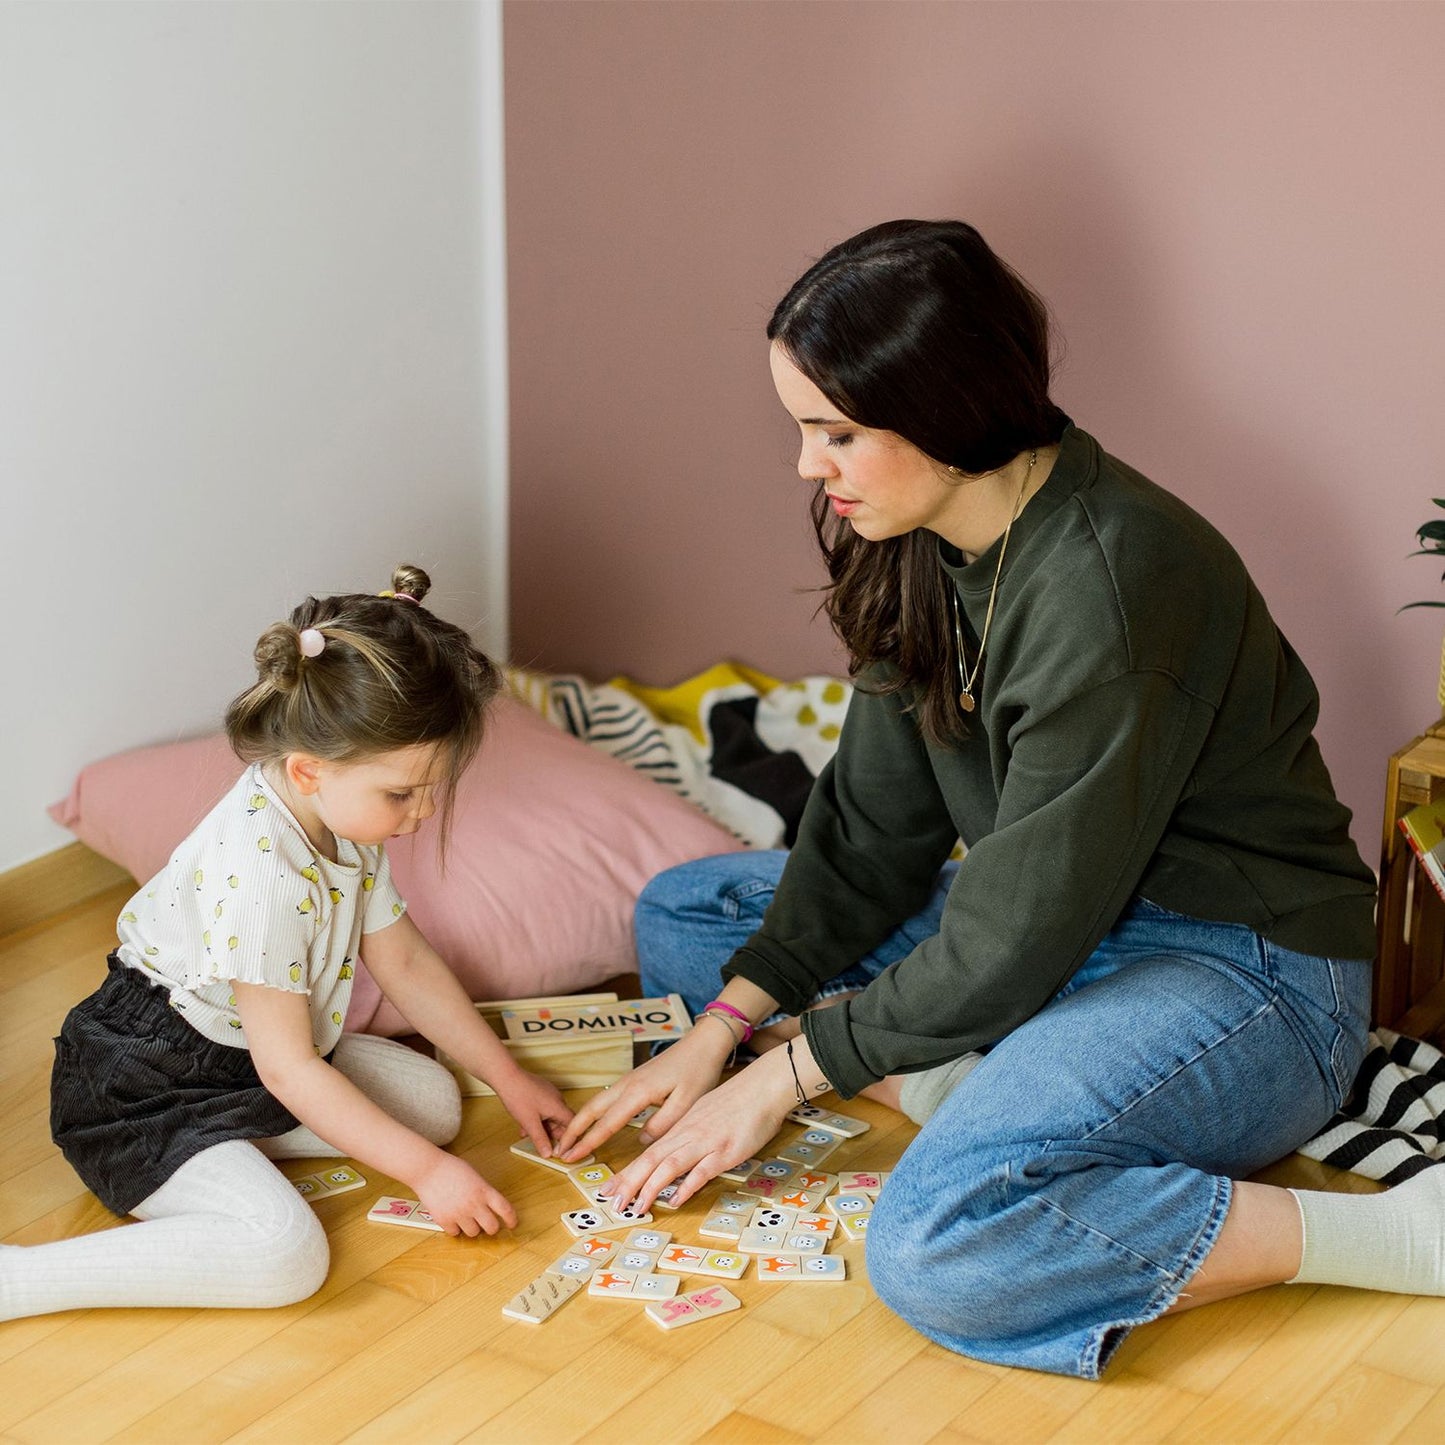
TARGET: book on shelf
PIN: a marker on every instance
(1424, 830)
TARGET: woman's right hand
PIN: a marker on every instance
(673, 1080)
(460, 1200)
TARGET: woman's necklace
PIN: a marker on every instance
(966, 680)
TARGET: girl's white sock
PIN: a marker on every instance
(1392, 1241)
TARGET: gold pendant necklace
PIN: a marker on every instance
(966, 680)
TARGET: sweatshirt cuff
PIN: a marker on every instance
(757, 968)
(829, 1033)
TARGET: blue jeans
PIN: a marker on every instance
(1071, 1185)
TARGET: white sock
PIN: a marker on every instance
(225, 1229)
(923, 1092)
(1392, 1241)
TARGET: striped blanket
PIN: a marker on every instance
(1393, 1123)
(742, 746)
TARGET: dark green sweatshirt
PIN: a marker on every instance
(1143, 730)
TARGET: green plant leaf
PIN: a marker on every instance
(1435, 531)
(1409, 605)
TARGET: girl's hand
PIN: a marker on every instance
(673, 1080)
(731, 1123)
(460, 1200)
(538, 1108)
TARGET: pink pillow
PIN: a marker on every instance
(551, 843)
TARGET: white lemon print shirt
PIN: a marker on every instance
(247, 897)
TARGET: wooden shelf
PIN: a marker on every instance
(1409, 993)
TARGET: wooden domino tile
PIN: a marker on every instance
(805, 1114)
(406, 1212)
(667, 1195)
(578, 1222)
(812, 1149)
(573, 1266)
(723, 1263)
(820, 1224)
(741, 1204)
(341, 1179)
(682, 1258)
(628, 1216)
(840, 1124)
(771, 1216)
(854, 1227)
(739, 1172)
(526, 1149)
(721, 1226)
(798, 1269)
(691, 1309)
(632, 1284)
(862, 1181)
(652, 1239)
(840, 1206)
(802, 1241)
(610, 1283)
(595, 1248)
(588, 1178)
(541, 1299)
(761, 1241)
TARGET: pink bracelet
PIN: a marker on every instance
(738, 1014)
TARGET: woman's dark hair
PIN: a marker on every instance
(917, 328)
(381, 673)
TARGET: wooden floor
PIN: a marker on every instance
(406, 1342)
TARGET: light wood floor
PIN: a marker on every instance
(406, 1342)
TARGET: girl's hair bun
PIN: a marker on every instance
(410, 580)
(278, 656)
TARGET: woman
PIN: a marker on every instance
(1159, 939)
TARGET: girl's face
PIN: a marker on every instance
(881, 483)
(385, 796)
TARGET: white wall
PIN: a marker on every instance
(251, 346)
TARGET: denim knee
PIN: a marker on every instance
(689, 920)
(928, 1259)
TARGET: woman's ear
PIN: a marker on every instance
(303, 773)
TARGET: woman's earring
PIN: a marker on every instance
(957, 471)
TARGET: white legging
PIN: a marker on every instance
(227, 1229)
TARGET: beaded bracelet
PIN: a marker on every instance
(727, 1008)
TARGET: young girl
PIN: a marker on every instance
(1149, 976)
(215, 1043)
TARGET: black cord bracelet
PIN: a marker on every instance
(797, 1082)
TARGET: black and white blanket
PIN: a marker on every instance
(1393, 1123)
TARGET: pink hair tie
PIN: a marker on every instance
(401, 597)
(313, 643)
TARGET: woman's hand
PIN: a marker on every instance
(540, 1111)
(722, 1128)
(459, 1199)
(672, 1080)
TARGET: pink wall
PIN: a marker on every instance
(1236, 212)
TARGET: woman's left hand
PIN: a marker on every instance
(725, 1126)
(540, 1111)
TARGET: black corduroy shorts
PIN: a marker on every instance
(136, 1091)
